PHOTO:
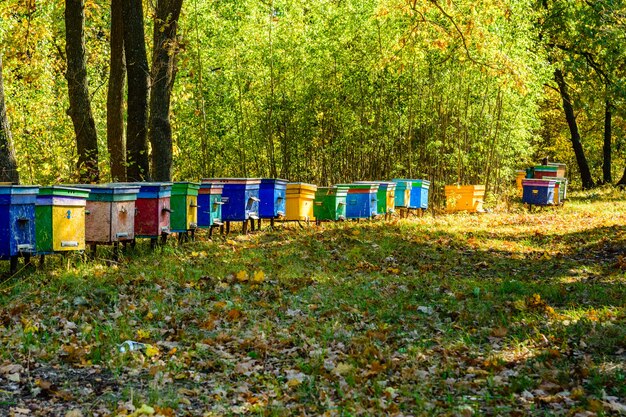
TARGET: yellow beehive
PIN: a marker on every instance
(518, 181)
(464, 198)
(300, 197)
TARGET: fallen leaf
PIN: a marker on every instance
(258, 277)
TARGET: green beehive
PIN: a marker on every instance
(184, 205)
(330, 203)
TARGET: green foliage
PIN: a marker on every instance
(330, 92)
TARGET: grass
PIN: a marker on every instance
(506, 313)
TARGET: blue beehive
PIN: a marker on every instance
(240, 197)
(361, 201)
(538, 192)
(419, 193)
(17, 222)
(403, 193)
(272, 193)
(210, 205)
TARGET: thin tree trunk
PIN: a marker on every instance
(137, 161)
(585, 173)
(8, 164)
(80, 105)
(606, 149)
(115, 96)
(163, 75)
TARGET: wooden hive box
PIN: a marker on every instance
(300, 197)
(468, 198)
(17, 221)
(240, 197)
(362, 201)
(209, 205)
(110, 213)
(184, 205)
(152, 218)
(60, 219)
(402, 193)
(385, 196)
(330, 203)
(273, 199)
(539, 192)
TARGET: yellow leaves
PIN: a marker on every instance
(144, 410)
(143, 334)
(152, 351)
(29, 325)
(258, 277)
(343, 368)
(242, 276)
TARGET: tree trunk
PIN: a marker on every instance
(583, 167)
(163, 75)
(115, 96)
(8, 165)
(606, 149)
(137, 163)
(80, 105)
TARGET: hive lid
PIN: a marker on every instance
(364, 188)
(549, 168)
(185, 188)
(332, 190)
(277, 181)
(63, 191)
(210, 188)
(8, 188)
(111, 188)
(294, 186)
(381, 184)
(538, 182)
(245, 181)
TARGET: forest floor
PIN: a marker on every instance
(508, 313)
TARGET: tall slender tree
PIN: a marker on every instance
(164, 53)
(80, 103)
(137, 71)
(115, 96)
(570, 117)
(8, 164)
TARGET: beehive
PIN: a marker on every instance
(60, 219)
(539, 192)
(240, 197)
(561, 169)
(519, 176)
(544, 171)
(330, 203)
(272, 196)
(464, 198)
(300, 197)
(385, 196)
(152, 218)
(402, 193)
(110, 213)
(17, 222)
(361, 201)
(210, 205)
(184, 206)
